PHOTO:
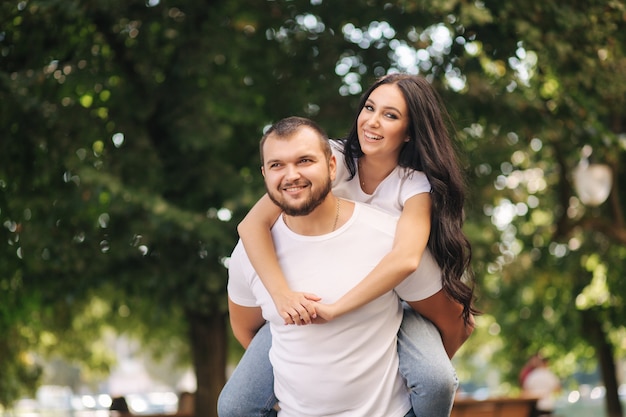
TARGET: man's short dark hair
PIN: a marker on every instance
(286, 127)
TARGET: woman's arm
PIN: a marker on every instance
(254, 230)
(410, 241)
(411, 238)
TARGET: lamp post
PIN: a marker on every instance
(592, 182)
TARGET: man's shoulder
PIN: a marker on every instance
(238, 249)
(239, 253)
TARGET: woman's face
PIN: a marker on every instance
(383, 122)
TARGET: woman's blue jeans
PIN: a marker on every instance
(424, 364)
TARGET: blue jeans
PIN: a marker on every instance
(424, 364)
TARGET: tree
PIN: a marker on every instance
(132, 130)
(556, 278)
(130, 141)
(122, 163)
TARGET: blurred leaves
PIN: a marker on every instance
(128, 153)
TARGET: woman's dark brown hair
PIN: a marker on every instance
(431, 151)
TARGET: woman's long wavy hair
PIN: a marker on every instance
(431, 151)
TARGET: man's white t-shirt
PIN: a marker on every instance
(349, 366)
(542, 383)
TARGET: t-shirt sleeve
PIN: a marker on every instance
(342, 174)
(422, 283)
(413, 183)
(240, 272)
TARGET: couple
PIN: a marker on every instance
(331, 246)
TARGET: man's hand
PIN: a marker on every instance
(296, 307)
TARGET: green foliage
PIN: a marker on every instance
(129, 152)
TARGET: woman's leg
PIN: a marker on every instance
(424, 364)
(249, 392)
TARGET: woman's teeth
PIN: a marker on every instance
(372, 137)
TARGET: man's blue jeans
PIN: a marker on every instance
(424, 364)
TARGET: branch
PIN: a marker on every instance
(616, 209)
(604, 226)
(564, 225)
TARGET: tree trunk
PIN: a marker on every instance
(208, 339)
(604, 351)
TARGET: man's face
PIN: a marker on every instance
(298, 177)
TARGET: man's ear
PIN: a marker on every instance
(263, 171)
(332, 167)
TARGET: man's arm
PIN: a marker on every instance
(245, 322)
(446, 315)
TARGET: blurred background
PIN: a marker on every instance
(128, 153)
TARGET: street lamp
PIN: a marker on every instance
(592, 182)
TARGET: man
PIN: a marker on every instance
(541, 382)
(325, 245)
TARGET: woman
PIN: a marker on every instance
(399, 157)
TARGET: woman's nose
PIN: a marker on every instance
(373, 119)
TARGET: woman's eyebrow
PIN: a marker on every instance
(384, 107)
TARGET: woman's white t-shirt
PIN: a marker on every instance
(390, 195)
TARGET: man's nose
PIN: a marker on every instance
(292, 172)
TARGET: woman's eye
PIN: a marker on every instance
(391, 116)
(368, 107)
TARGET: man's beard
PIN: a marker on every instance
(305, 207)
